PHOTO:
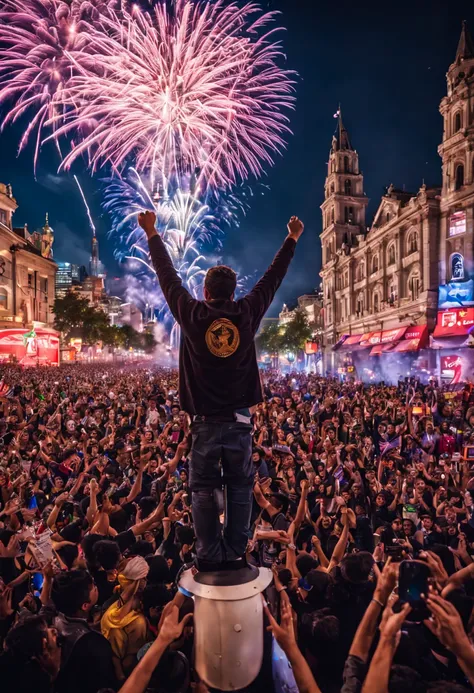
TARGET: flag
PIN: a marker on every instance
(387, 445)
(5, 390)
(337, 113)
(29, 335)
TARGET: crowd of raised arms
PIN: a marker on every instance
(96, 524)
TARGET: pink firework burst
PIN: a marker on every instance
(36, 36)
(187, 86)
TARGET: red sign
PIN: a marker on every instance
(458, 321)
(392, 335)
(39, 347)
(415, 332)
(451, 367)
(370, 338)
(311, 348)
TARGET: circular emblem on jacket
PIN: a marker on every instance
(222, 338)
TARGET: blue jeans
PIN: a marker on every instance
(221, 455)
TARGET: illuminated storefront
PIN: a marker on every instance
(37, 347)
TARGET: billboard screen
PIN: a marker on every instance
(456, 295)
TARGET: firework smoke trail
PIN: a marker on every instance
(88, 211)
(196, 88)
(36, 36)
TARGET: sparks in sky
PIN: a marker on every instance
(36, 36)
(184, 222)
(191, 229)
(188, 86)
(181, 104)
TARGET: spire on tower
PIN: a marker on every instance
(465, 46)
(341, 134)
(47, 239)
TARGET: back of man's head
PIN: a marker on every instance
(220, 282)
(71, 592)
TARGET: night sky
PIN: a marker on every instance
(386, 64)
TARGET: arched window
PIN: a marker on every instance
(391, 254)
(457, 121)
(412, 245)
(361, 271)
(457, 266)
(347, 168)
(392, 292)
(332, 187)
(3, 299)
(375, 264)
(332, 215)
(348, 215)
(414, 284)
(360, 304)
(387, 217)
(459, 177)
(347, 187)
(376, 303)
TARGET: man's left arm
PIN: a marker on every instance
(177, 297)
(263, 293)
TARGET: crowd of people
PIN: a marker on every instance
(96, 525)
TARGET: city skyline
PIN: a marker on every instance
(390, 108)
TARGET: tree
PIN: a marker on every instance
(73, 314)
(269, 338)
(70, 312)
(149, 342)
(96, 326)
(296, 333)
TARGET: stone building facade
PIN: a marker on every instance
(27, 270)
(381, 278)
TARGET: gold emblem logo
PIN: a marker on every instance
(222, 338)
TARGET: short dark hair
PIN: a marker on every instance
(159, 570)
(107, 554)
(25, 640)
(220, 281)
(20, 666)
(71, 590)
(356, 567)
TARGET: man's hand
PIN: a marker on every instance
(445, 623)
(147, 221)
(284, 633)
(295, 228)
(171, 628)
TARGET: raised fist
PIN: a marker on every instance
(295, 228)
(147, 221)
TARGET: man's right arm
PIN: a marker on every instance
(264, 291)
(177, 297)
